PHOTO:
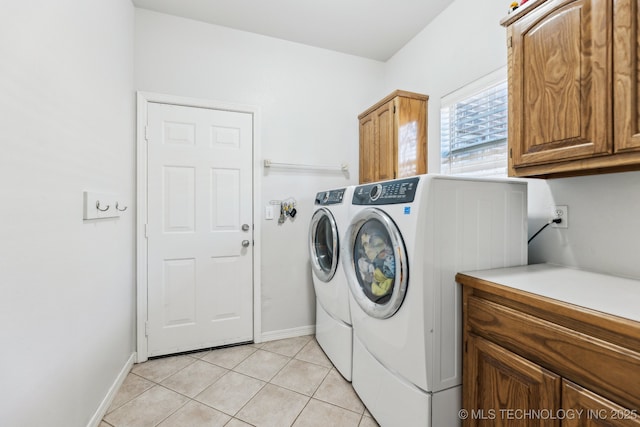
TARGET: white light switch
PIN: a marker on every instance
(268, 212)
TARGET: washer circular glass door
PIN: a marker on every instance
(323, 244)
(376, 263)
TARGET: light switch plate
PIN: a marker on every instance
(268, 212)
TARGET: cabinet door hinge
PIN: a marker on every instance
(146, 231)
(146, 329)
(146, 133)
(466, 346)
(394, 109)
(509, 41)
(511, 153)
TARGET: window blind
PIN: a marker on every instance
(473, 127)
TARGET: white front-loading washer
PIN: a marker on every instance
(406, 241)
(333, 317)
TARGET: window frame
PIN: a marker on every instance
(467, 91)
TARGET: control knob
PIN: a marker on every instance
(375, 192)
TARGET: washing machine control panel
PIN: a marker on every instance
(386, 193)
(331, 197)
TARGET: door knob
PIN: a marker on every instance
(245, 243)
(245, 227)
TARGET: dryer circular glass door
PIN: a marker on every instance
(376, 263)
(323, 244)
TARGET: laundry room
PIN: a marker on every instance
(82, 84)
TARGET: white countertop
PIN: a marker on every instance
(608, 294)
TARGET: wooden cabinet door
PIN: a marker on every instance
(367, 149)
(378, 145)
(498, 382)
(560, 105)
(385, 142)
(393, 137)
(411, 137)
(626, 78)
(584, 408)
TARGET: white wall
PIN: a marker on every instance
(309, 100)
(604, 224)
(66, 286)
(67, 112)
(466, 42)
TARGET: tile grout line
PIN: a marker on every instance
(177, 409)
(290, 358)
(316, 389)
(194, 359)
(265, 382)
(252, 397)
(134, 397)
(219, 410)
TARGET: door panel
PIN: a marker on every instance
(367, 149)
(501, 381)
(225, 199)
(560, 92)
(626, 68)
(594, 410)
(178, 199)
(385, 143)
(200, 285)
(178, 291)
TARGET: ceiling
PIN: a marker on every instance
(374, 29)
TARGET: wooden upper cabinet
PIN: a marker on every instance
(561, 105)
(368, 159)
(573, 87)
(393, 137)
(626, 63)
(384, 144)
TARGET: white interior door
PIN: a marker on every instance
(199, 228)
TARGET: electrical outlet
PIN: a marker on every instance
(562, 212)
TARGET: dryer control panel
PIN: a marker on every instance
(331, 197)
(386, 193)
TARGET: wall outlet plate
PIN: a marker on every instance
(562, 212)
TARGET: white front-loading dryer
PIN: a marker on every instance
(333, 316)
(406, 241)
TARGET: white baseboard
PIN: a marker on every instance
(106, 402)
(288, 333)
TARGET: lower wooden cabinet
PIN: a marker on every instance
(591, 410)
(501, 385)
(532, 361)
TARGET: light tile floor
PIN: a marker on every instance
(280, 383)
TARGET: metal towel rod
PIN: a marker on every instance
(344, 167)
